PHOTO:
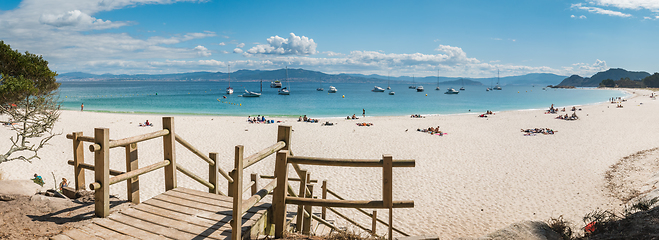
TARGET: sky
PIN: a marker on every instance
(473, 38)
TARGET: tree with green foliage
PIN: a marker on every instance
(28, 98)
(652, 81)
(608, 83)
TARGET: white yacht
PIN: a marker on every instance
(275, 84)
(229, 89)
(332, 89)
(451, 91)
(419, 89)
(378, 89)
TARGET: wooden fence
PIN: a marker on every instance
(101, 145)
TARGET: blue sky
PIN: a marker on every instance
(458, 38)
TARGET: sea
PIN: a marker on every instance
(210, 98)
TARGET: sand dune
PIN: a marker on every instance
(483, 175)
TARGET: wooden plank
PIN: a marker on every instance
(204, 200)
(132, 184)
(323, 210)
(102, 173)
(104, 232)
(207, 232)
(60, 237)
(77, 234)
(306, 223)
(387, 193)
(202, 203)
(166, 231)
(195, 177)
(202, 194)
(91, 168)
(169, 151)
(211, 213)
(347, 203)
(212, 173)
(302, 193)
(127, 229)
(255, 158)
(138, 138)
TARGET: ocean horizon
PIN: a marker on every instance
(207, 98)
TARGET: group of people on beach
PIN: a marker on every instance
(146, 124)
(533, 131)
(353, 117)
(364, 124)
(488, 112)
(416, 116)
(566, 117)
(306, 119)
(617, 99)
(431, 131)
(258, 119)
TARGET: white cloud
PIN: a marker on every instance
(202, 51)
(225, 52)
(79, 20)
(496, 39)
(240, 45)
(333, 54)
(572, 16)
(294, 45)
(585, 69)
(222, 44)
(580, 17)
(237, 50)
(652, 5)
(600, 10)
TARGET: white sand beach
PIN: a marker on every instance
(482, 176)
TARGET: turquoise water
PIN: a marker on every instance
(202, 98)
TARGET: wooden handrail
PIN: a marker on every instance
(131, 174)
(368, 214)
(91, 167)
(347, 162)
(254, 199)
(289, 179)
(81, 138)
(193, 149)
(248, 186)
(254, 158)
(346, 203)
(196, 151)
(195, 177)
(129, 140)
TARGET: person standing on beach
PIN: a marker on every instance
(363, 112)
(82, 106)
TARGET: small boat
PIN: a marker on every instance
(284, 90)
(413, 86)
(251, 94)
(229, 89)
(392, 93)
(487, 89)
(463, 85)
(497, 87)
(320, 89)
(378, 89)
(462, 88)
(388, 81)
(451, 91)
(332, 89)
(419, 89)
(437, 88)
(275, 84)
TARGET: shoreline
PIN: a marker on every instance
(480, 177)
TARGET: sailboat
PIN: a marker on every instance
(285, 90)
(413, 86)
(437, 88)
(253, 94)
(229, 89)
(497, 87)
(388, 81)
(320, 89)
(463, 85)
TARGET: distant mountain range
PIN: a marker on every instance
(302, 75)
(595, 80)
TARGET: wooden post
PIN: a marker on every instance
(169, 142)
(230, 185)
(255, 187)
(279, 198)
(306, 224)
(236, 224)
(78, 158)
(374, 219)
(302, 194)
(284, 134)
(133, 184)
(387, 185)
(323, 211)
(212, 173)
(102, 172)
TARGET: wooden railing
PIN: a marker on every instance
(283, 191)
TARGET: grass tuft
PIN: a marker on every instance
(561, 226)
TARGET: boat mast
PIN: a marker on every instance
(288, 83)
(229, 71)
(437, 77)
